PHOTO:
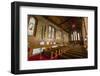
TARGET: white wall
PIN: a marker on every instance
(5, 41)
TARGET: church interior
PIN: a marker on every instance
(57, 37)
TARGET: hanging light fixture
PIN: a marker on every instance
(42, 43)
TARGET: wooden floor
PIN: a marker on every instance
(62, 52)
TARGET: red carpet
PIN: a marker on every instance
(38, 57)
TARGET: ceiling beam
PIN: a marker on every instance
(55, 23)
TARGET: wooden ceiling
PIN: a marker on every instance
(65, 22)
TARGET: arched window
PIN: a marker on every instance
(31, 25)
(78, 36)
(49, 33)
(72, 37)
(75, 36)
(53, 33)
